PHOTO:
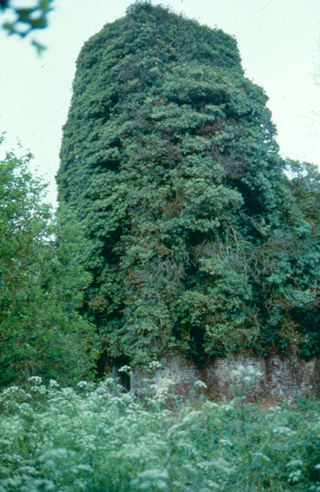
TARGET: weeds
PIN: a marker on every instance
(64, 439)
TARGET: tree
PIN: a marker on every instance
(41, 284)
(170, 160)
(26, 19)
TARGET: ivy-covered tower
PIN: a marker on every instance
(170, 160)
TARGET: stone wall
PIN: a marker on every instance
(275, 378)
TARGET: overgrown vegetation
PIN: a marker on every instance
(57, 438)
(42, 281)
(198, 242)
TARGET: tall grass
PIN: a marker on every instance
(88, 439)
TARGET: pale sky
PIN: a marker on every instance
(279, 43)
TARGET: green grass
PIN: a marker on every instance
(86, 439)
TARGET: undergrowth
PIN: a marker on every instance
(96, 438)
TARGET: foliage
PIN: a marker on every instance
(196, 242)
(41, 284)
(57, 438)
(26, 19)
(305, 186)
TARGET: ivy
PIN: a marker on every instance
(198, 242)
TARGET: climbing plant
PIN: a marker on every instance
(197, 243)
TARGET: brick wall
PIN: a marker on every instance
(277, 377)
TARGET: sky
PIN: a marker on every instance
(279, 43)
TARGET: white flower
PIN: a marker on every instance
(35, 379)
(82, 468)
(82, 384)
(246, 374)
(53, 383)
(200, 384)
(108, 381)
(162, 388)
(274, 409)
(11, 389)
(155, 364)
(39, 389)
(248, 379)
(295, 476)
(283, 431)
(295, 463)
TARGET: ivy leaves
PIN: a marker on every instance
(170, 159)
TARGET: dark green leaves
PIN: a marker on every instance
(42, 282)
(169, 159)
